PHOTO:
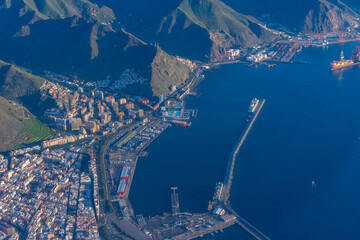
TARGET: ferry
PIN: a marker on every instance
(253, 105)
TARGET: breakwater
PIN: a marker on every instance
(232, 158)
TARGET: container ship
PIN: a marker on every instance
(344, 63)
(253, 105)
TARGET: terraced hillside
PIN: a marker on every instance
(19, 127)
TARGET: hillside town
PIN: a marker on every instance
(90, 112)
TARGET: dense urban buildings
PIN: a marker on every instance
(86, 86)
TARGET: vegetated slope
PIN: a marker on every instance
(16, 82)
(226, 28)
(19, 127)
(298, 16)
(167, 71)
(329, 16)
(20, 85)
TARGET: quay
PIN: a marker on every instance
(287, 62)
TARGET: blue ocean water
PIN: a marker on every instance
(308, 130)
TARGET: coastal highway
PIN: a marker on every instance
(196, 79)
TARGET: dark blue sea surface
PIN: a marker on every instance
(308, 130)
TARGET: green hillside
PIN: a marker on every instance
(167, 71)
(19, 127)
(16, 82)
(214, 15)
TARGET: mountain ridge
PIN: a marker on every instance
(56, 9)
(329, 16)
(226, 27)
(294, 15)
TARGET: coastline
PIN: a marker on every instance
(233, 218)
(191, 85)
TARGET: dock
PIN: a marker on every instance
(287, 62)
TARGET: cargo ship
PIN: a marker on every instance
(181, 123)
(253, 105)
(344, 63)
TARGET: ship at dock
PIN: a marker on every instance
(181, 123)
(344, 63)
(254, 103)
